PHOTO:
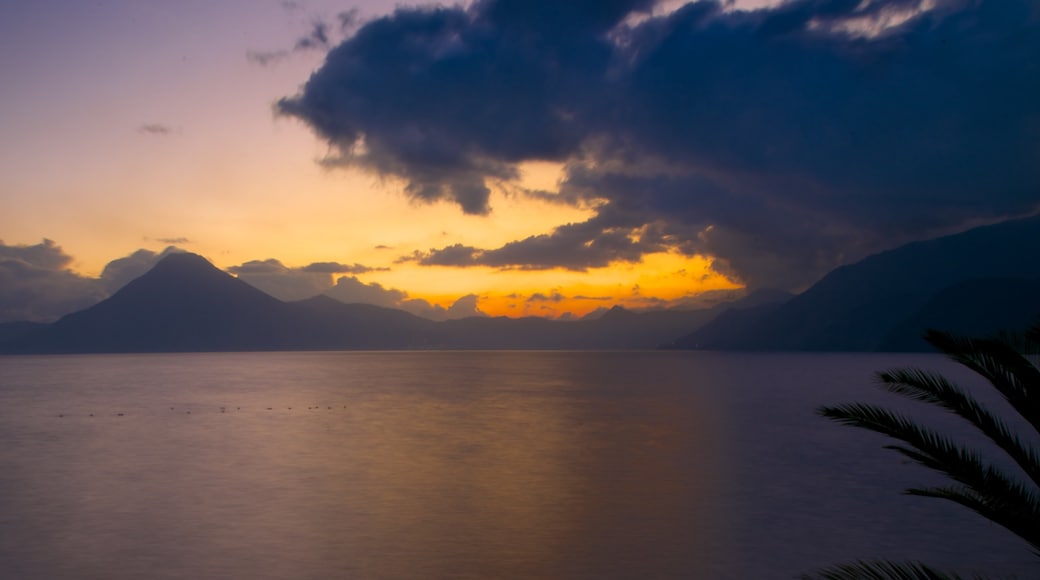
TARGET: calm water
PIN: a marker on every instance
(461, 465)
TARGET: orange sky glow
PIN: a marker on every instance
(159, 130)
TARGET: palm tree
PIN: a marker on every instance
(976, 483)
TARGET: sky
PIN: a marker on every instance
(504, 157)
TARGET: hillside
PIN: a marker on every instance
(857, 307)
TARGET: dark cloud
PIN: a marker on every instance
(554, 296)
(36, 284)
(316, 38)
(453, 255)
(155, 129)
(337, 268)
(266, 57)
(349, 19)
(283, 282)
(480, 89)
(349, 289)
(122, 270)
(591, 244)
(273, 266)
(290, 284)
(319, 36)
(287, 283)
(269, 266)
(174, 241)
(464, 307)
(782, 141)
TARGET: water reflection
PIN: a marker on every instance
(510, 465)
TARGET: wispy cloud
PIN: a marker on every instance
(321, 34)
(155, 129)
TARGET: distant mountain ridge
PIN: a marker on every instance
(185, 304)
(980, 281)
(875, 304)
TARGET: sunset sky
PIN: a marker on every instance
(520, 157)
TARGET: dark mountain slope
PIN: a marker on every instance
(855, 307)
(11, 331)
(727, 330)
(325, 323)
(974, 308)
(184, 303)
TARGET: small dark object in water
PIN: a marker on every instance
(60, 415)
(119, 414)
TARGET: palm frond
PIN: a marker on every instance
(1017, 379)
(1022, 524)
(994, 495)
(1033, 337)
(881, 570)
(936, 389)
(977, 485)
(936, 452)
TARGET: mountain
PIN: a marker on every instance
(857, 307)
(616, 328)
(727, 330)
(972, 308)
(10, 331)
(322, 322)
(184, 304)
(977, 281)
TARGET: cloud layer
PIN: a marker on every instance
(37, 285)
(782, 141)
(289, 284)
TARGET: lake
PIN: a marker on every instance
(556, 465)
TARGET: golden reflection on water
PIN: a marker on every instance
(499, 470)
(507, 486)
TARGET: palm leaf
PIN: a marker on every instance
(881, 570)
(1017, 379)
(977, 485)
(985, 489)
(936, 389)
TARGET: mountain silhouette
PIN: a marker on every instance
(973, 308)
(185, 304)
(973, 281)
(859, 307)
